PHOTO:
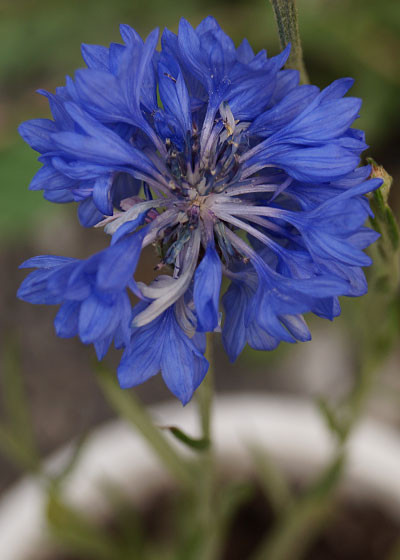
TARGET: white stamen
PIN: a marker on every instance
(168, 295)
(116, 221)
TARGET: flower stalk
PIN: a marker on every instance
(288, 28)
(205, 491)
(129, 407)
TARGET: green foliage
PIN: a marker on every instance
(17, 440)
(273, 481)
(128, 406)
(57, 480)
(20, 207)
(385, 223)
(200, 444)
(297, 527)
(76, 534)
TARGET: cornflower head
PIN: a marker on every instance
(222, 161)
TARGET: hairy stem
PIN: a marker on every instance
(288, 28)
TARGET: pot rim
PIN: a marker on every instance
(289, 428)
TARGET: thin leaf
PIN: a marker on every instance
(16, 438)
(17, 452)
(296, 529)
(72, 461)
(272, 480)
(76, 534)
(331, 418)
(200, 444)
(14, 400)
(129, 407)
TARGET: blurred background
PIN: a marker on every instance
(39, 45)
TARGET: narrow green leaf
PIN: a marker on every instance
(16, 451)
(233, 496)
(129, 407)
(299, 525)
(14, 399)
(72, 461)
(331, 418)
(77, 534)
(273, 481)
(17, 440)
(129, 521)
(393, 228)
(200, 444)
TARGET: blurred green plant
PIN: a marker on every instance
(17, 440)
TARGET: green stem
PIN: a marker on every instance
(205, 495)
(288, 28)
(129, 407)
(205, 393)
(360, 395)
(297, 528)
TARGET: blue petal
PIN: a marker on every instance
(62, 196)
(320, 163)
(286, 80)
(327, 246)
(67, 318)
(56, 102)
(258, 339)
(129, 35)
(142, 358)
(207, 285)
(37, 133)
(296, 326)
(189, 44)
(97, 319)
(88, 214)
(95, 56)
(325, 122)
(124, 186)
(101, 93)
(102, 345)
(284, 111)
(34, 289)
(244, 52)
(46, 261)
(118, 263)
(183, 367)
(102, 194)
(175, 98)
(50, 179)
(128, 227)
(103, 146)
(235, 301)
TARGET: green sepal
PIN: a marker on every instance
(383, 221)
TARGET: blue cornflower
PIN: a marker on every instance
(223, 162)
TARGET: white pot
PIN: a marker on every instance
(291, 430)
